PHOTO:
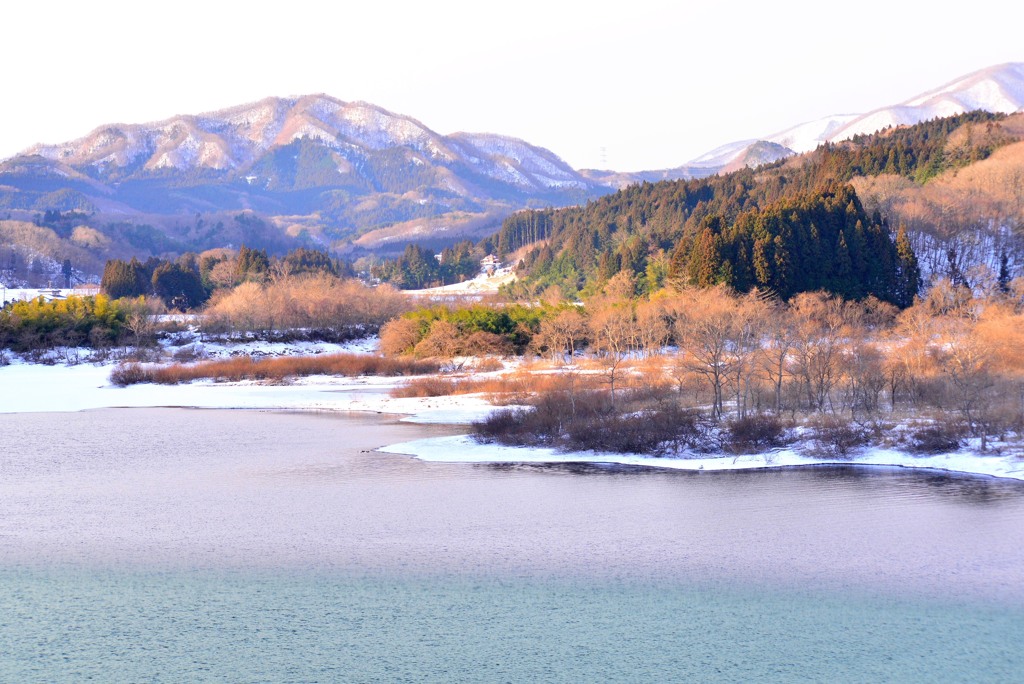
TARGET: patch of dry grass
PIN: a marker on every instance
(501, 390)
(270, 369)
(438, 386)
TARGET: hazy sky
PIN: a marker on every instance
(654, 84)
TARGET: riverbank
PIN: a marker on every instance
(34, 388)
(465, 449)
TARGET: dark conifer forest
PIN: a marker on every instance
(789, 227)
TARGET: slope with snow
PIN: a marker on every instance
(807, 136)
(994, 89)
(235, 139)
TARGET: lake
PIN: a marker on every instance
(202, 545)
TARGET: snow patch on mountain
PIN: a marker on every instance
(722, 155)
(376, 129)
(323, 107)
(995, 89)
(529, 166)
(808, 136)
(238, 138)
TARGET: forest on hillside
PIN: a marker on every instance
(805, 210)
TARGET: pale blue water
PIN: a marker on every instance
(208, 627)
(174, 627)
(175, 546)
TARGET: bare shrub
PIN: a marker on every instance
(754, 433)
(443, 341)
(310, 301)
(647, 388)
(838, 438)
(937, 438)
(399, 336)
(508, 426)
(522, 386)
(482, 343)
(588, 421)
(487, 364)
(654, 431)
(436, 386)
(126, 374)
(142, 354)
(189, 354)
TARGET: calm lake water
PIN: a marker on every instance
(177, 545)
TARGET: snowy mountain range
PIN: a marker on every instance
(331, 172)
(995, 89)
(233, 142)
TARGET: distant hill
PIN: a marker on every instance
(997, 89)
(337, 169)
(354, 178)
(822, 220)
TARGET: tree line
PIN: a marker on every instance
(418, 267)
(97, 321)
(942, 370)
(189, 281)
(711, 227)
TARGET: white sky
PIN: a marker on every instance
(654, 83)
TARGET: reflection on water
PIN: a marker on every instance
(972, 489)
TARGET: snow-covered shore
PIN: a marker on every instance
(465, 449)
(34, 388)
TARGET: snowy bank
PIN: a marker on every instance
(34, 388)
(465, 449)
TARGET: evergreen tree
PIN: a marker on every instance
(842, 280)
(304, 260)
(908, 273)
(253, 264)
(123, 279)
(179, 288)
(1003, 280)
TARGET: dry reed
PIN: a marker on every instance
(270, 369)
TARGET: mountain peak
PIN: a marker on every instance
(308, 155)
(997, 88)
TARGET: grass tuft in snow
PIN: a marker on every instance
(273, 369)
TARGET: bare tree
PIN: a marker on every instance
(749, 324)
(967, 362)
(865, 376)
(652, 325)
(443, 340)
(563, 332)
(141, 320)
(613, 334)
(704, 330)
(774, 353)
(821, 326)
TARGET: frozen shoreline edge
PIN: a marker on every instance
(77, 388)
(439, 449)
